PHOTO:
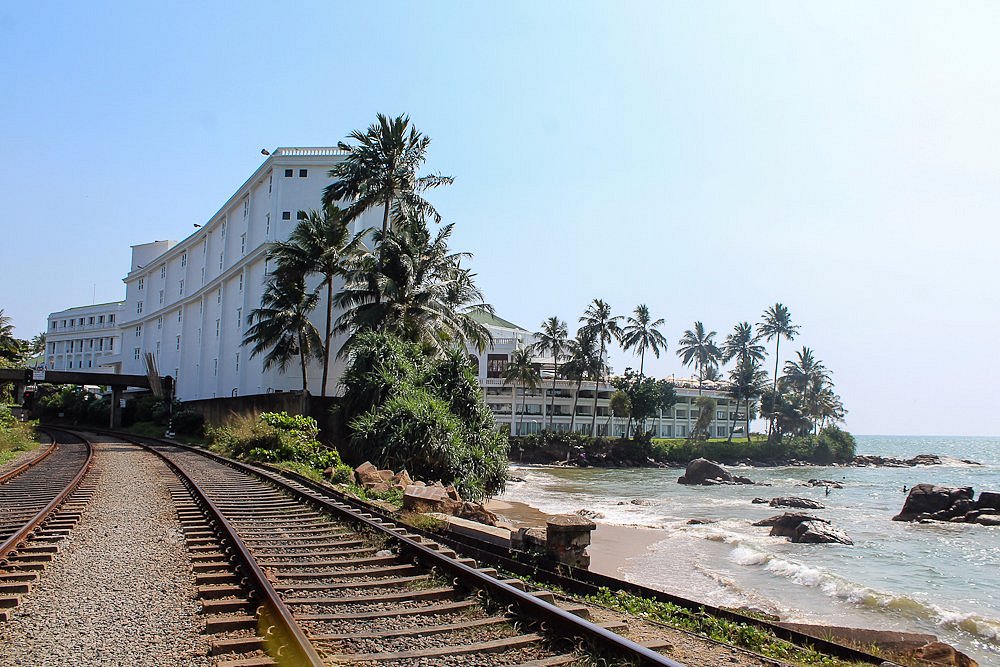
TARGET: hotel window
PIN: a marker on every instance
(203, 274)
(178, 343)
(163, 271)
(267, 266)
(267, 225)
(64, 324)
(496, 364)
(70, 346)
(241, 282)
(90, 344)
(215, 366)
(90, 321)
(237, 362)
(303, 173)
(138, 308)
(184, 259)
(142, 283)
(218, 296)
(201, 306)
(243, 244)
(72, 323)
(111, 318)
(270, 182)
(100, 319)
(246, 206)
(135, 353)
(179, 315)
(161, 297)
(286, 215)
(90, 363)
(223, 229)
(217, 328)
(182, 288)
(301, 215)
(100, 344)
(288, 173)
(111, 345)
(159, 322)
(157, 348)
(719, 414)
(239, 319)
(220, 261)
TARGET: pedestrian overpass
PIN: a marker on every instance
(25, 377)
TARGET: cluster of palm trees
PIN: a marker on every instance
(805, 385)
(401, 278)
(15, 351)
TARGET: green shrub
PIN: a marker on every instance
(274, 438)
(188, 422)
(403, 409)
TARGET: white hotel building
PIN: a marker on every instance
(187, 303)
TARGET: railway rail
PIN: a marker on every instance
(290, 577)
(40, 502)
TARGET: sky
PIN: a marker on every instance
(705, 159)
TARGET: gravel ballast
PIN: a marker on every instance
(120, 592)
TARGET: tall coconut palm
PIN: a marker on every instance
(380, 169)
(281, 328)
(748, 380)
(641, 333)
(552, 338)
(742, 345)
(413, 286)
(522, 370)
(583, 362)
(697, 347)
(599, 321)
(321, 243)
(777, 324)
(10, 347)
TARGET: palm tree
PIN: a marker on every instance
(320, 243)
(414, 287)
(642, 334)
(581, 363)
(381, 170)
(742, 345)
(37, 344)
(748, 380)
(522, 370)
(599, 321)
(777, 324)
(552, 338)
(698, 348)
(806, 374)
(10, 347)
(281, 327)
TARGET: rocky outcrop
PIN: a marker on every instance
(823, 482)
(929, 502)
(918, 460)
(794, 501)
(707, 473)
(804, 529)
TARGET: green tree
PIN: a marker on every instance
(697, 347)
(552, 338)
(641, 332)
(647, 397)
(11, 348)
(380, 169)
(281, 328)
(583, 362)
(37, 344)
(706, 408)
(777, 324)
(747, 381)
(742, 345)
(321, 243)
(604, 327)
(522, 371)
(412, 286)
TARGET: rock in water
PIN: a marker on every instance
(930, 499)
(988, 500)
(705, 472)
(793, 501)
(819, 532)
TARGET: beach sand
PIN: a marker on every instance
(611, 547)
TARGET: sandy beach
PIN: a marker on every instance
(611, 548)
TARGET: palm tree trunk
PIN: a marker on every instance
(774, 386)
(748, 420)
(303, 408)
(520, 417)
(328, 334)
(733, 427)
(642, 359)
(593, 417)
(385, 217)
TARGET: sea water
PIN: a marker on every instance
(938, 578)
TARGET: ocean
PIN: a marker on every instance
(938, 578)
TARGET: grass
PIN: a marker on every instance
(16, 437)
(758, 640)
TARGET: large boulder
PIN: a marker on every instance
(366, 473)
(824, 482)
(929, 499)
(429, 499)
(794, 501)
(819, 532)
(705, 472)
(988, 500)
(785, 525)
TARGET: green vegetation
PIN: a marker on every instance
(15, 436)
(404, 409)
(277, 438)
(746, 636)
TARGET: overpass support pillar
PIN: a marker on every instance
(116, 407)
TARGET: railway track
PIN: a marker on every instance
(289, 577)
(40, 502)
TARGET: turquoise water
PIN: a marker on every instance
(939, 578)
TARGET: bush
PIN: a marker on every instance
(275, 438)
(404, 409)
(188, 422)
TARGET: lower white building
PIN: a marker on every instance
(85, 338)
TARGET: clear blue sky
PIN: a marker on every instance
(707, 159)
